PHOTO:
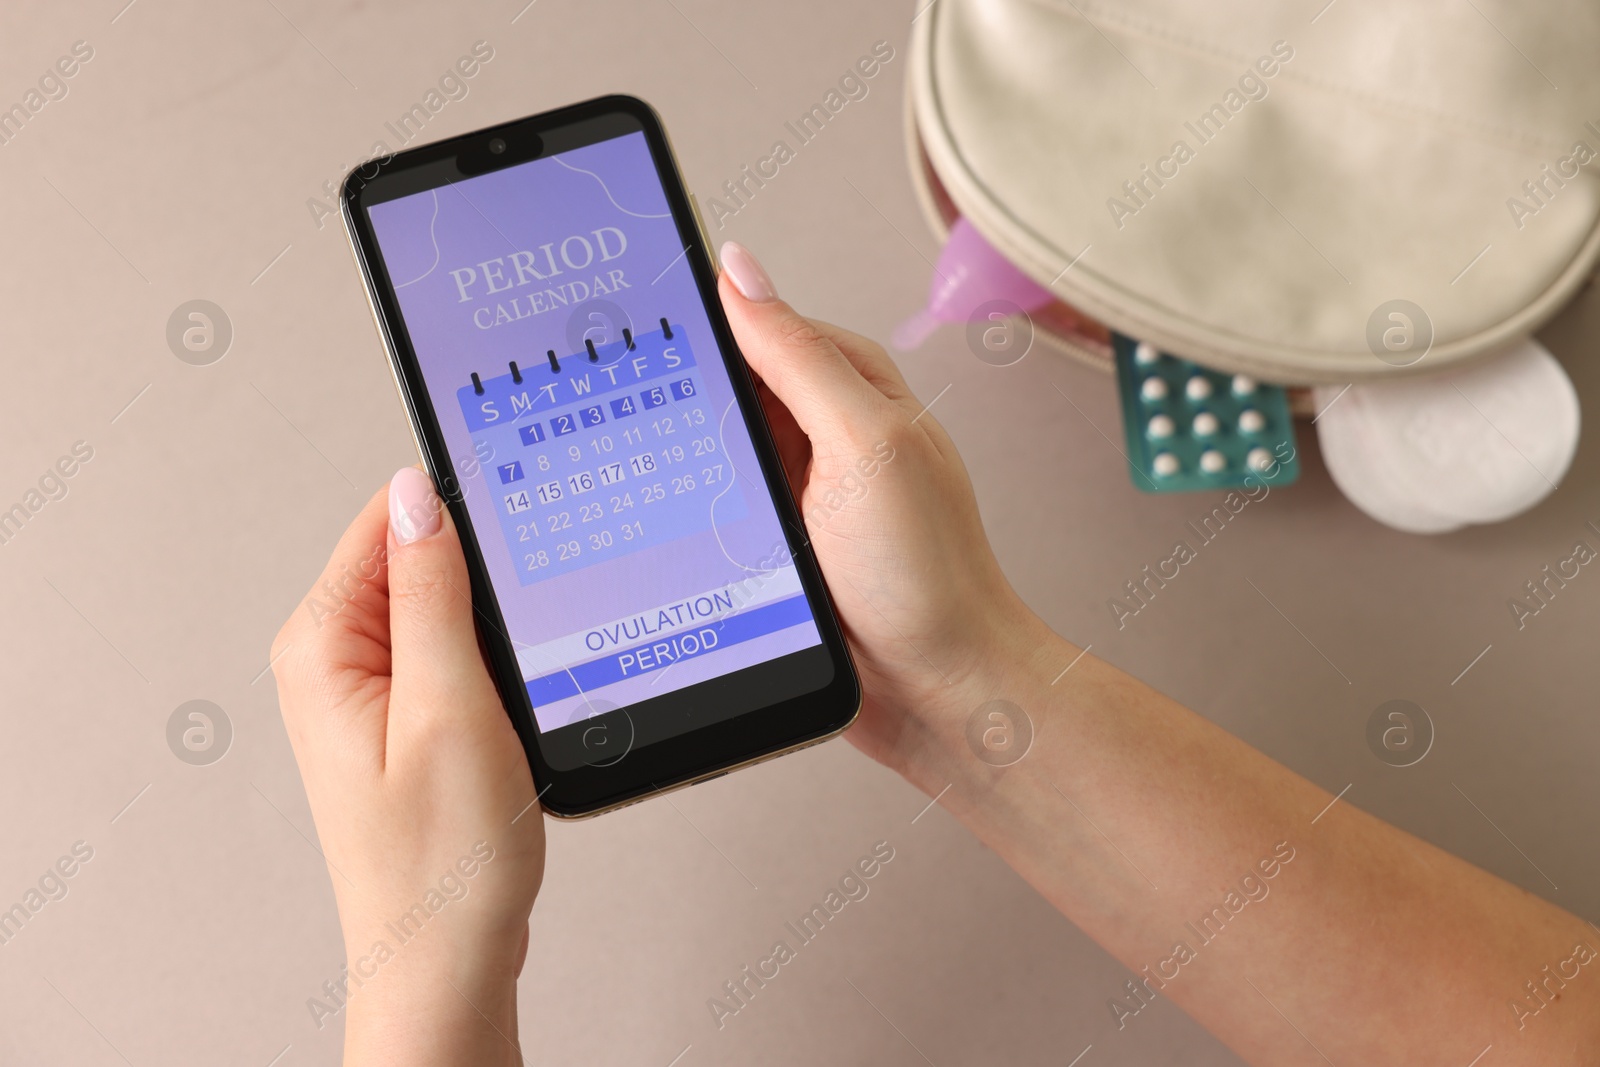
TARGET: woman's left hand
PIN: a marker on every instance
(419, 786)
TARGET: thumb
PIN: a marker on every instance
(434, 655)
(799, 362)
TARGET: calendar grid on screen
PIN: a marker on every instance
(601, 454)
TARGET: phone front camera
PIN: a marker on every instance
(497, 146)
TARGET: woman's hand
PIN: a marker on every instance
(422, 796)
(1123, 790)
(892, 517)
(420, 787)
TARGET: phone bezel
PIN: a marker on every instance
(710, 750)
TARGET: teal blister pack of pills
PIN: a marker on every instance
(1189, 428)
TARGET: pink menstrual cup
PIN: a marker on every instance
(970, 274)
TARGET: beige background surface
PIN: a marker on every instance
(180, 165)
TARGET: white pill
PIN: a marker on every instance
(1212, 461)
(1154, 389)
(1259, 459)
(1198, 388)
(1165, 464)
(1145, 353)
(1252, 421)
(1206, 424)
(1162, 426)
(1243, 384)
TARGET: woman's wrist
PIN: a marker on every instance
(432, 1016)
(425, 995)
(982, 717)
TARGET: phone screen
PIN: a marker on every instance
(623, 519)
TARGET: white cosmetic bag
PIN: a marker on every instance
(1264, 187)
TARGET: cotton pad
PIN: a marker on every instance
(1359, 472)
(1475, 445)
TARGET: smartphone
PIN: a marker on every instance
(646, 595)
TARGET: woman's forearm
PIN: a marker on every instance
(1296, 931)
(430, 1020)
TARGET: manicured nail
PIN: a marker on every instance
(413, 506)
(747, 274)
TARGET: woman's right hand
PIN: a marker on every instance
(893, 520)
(1128, 790)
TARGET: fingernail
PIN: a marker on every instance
(747, 274)
(413, 506)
